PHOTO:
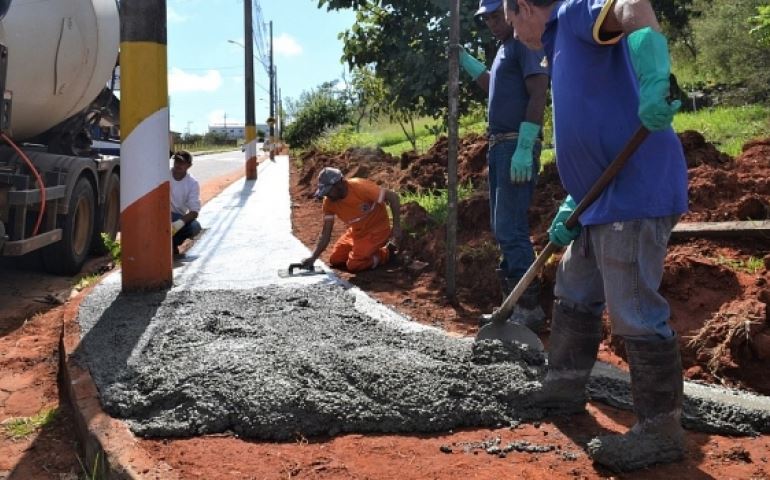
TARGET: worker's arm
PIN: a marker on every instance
(648, 51)
(628, 16)
(523, 156)
(189, 217)
(323, 242)
(474, 68)
(394, 203)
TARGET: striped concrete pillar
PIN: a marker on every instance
(144, 126)
(251, 152)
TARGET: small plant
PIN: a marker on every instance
(94, 473)
(112, 246)
(22, 427)
(86, 281)
(436, 201)
(751, 265)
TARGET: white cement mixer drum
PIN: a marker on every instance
(60, 56)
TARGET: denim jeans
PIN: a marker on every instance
(188, 231)
(620, 266)
(508, 207)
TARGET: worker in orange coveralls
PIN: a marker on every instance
(360, 203)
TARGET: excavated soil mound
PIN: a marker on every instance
(718, 288)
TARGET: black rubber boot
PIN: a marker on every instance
(527, 310)
(573, 345)
(657, 389)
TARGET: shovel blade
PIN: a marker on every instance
(510, 332)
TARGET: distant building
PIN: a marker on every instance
(232, 131)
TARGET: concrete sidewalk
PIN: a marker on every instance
(233, 347)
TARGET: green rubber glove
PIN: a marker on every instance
(649, 56)
(558, 233)
(521, 162)
(470, 64)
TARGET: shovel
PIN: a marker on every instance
(499, 328)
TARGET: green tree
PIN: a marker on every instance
(761, 25)
(366, 95)
(727, 50)
(315, 112)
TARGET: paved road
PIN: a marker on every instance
(206, 167)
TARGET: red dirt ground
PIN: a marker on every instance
(30, 327)
(694, 276)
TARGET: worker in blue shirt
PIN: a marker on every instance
(610, 72)
(516, 85)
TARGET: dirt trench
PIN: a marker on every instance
(718, 288)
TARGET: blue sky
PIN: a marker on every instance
(206, 71)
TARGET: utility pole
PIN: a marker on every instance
(145, 204)
(454, 93)
(271, 120)
(280, 116)
(251, 124)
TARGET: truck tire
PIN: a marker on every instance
(67, 256)
(108, 216)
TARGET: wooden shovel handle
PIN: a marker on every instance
(502, 313)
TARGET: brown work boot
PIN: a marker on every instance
(573, 346)
(657, 388)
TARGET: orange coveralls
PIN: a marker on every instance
(363, 245)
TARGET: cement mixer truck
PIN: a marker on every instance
(57, 196)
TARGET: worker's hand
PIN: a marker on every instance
(649, 56)
(558, 233)
(307, 263)
(176, 226)
(470, 64)
(521, 162)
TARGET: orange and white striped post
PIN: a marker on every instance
(144, 122)
(251, 127)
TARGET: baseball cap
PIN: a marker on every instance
(328, 177)
(488, 6)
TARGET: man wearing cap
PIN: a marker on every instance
(360, 203)
(516, 85)
(185, 201)
(611, 71)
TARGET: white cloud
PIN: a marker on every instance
(181, 81)
(173, 16)
(286, 45)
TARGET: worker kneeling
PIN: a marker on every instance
(369, 240)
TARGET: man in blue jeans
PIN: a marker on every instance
(610, 70)
(516, 85)
(185, 201)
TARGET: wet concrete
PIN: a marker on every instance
(278, 363)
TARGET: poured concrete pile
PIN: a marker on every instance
(276, 363)
(279, 362)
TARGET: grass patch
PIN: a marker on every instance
(113, 247)
(22, 427)
(751, 265)
(436, 201)
(727, 127)
(86, 281)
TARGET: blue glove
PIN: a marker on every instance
(649, 55)
(471, 65)
(558, 233)
(521, 162)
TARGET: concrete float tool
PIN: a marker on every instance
(499, 328)
(298, 270)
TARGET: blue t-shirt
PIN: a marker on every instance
(595, 108)
(508, 96)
